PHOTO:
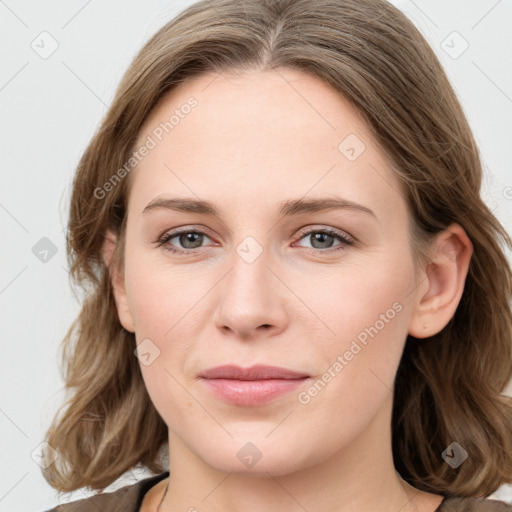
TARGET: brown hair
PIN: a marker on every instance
(448, 388)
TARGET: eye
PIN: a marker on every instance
(323, 239)
(189, 239)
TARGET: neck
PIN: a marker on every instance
(359, 477)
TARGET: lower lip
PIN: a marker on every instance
(252, 392)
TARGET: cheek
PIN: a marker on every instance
(365, 316)
(162, 304)
(359, 362)
(353, 297)
(161, 297)
(167, 305)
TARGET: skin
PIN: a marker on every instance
(256, 139)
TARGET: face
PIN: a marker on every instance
(268, 275)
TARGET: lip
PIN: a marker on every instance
(252, 386)
(256, 372)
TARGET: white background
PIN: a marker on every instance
(51, 107)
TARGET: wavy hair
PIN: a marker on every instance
(448, 387)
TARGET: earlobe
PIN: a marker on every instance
(442, 283)
(117, 282)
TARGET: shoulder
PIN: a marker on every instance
(458, 504)
(125, 499)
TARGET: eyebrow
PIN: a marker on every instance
(286, 208)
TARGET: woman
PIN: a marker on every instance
(294, 289)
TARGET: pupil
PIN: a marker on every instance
(190, 237)
(321, 238)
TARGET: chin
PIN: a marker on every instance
(259, 455)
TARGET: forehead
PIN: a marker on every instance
(266, 100)
(255, 135)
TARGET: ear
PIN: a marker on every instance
(441, 283)
(117, 281)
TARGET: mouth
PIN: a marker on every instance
(251, 386)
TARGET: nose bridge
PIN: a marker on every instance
(250, 256)
(248, 295)
(249, 277)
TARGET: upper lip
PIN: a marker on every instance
(257, 372)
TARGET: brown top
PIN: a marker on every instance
(129, 499)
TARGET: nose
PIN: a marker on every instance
(251, 301)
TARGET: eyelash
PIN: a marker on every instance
(164, 240)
